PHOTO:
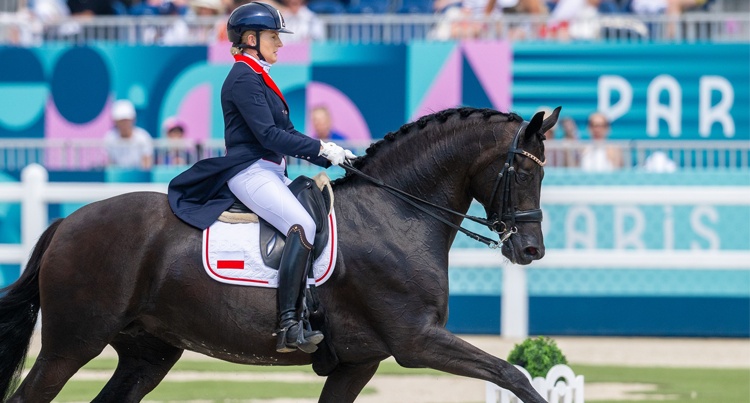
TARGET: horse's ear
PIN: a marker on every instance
(551, 120)
(535, 125)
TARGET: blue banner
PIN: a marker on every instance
(649, 91)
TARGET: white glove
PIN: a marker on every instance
(335, 153)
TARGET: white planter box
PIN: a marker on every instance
(568, 390)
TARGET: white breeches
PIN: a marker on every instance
(263, 188)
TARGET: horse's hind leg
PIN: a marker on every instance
(346, 382)
(439, 349)
(54, 366)
(143, 362)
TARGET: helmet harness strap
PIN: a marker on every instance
(256, 47)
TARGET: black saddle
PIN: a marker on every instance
(315, 201)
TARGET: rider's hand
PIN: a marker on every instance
(334, 153)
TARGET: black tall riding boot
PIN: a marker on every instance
(292, 333)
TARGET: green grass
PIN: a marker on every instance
(688, 385)
(385, 368)
(217, 391)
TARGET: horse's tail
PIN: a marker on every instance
(19, 306)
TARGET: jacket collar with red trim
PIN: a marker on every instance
(258, 68)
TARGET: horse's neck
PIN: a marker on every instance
(433, 168)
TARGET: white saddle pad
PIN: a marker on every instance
(231, 255)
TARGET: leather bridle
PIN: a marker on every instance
(504, 226)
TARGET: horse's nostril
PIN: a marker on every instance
(531, 251)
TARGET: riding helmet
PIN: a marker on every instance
(254, 16)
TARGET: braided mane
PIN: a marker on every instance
(417, 126)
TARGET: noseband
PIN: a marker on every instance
(505, 226)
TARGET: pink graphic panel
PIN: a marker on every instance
(218, 53)
(195, 112)
(445, 91)
(491, 62)
(346, 117)
(57, 127)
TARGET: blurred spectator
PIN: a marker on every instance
(84, 10)
(229, 6)
(323, 124)
(569, 128)
(191, 30)
(532, 29)
(669, 7)
(571, 154)
(574, 19)
(659, 162)
(17, 23)
(303, 22)
(178, 147)
(127, 145)
(467, 19)
(597, 155)
(207, 8)
(91, 8)
(50, 11)
(158, 7)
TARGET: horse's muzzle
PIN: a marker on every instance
(533, 252)
(523, 249)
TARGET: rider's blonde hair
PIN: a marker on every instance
(234, 50)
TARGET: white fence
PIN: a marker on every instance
(35, 193)
(560, 385)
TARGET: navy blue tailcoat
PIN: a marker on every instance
(256, 125)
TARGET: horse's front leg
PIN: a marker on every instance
(346, 382)
(440, 349)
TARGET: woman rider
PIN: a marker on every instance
(258, 134)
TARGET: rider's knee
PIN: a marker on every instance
(308, 225)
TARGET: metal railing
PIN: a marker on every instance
(81, 155)
(643, 154)
(26, 30)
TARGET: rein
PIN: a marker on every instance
(493, 223)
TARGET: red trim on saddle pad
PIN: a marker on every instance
(230, 264)
(233, 260)
(333, 248)
(208, 264)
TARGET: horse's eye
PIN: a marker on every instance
(523, 176)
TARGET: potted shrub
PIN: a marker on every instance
(537, 355)
(546, 367)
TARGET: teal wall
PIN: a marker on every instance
(624, 301)
(66, 92)
(572, 75)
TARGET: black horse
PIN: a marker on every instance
(126, 272)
